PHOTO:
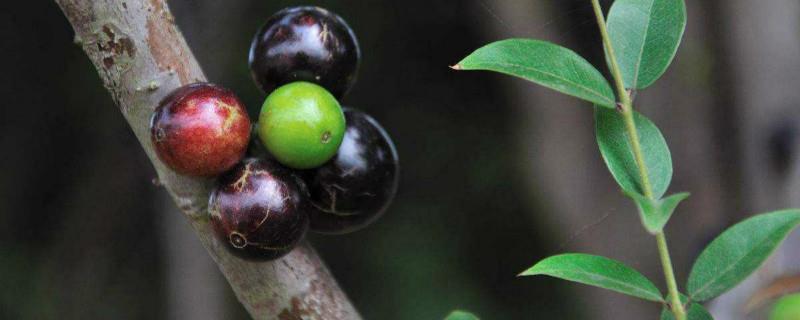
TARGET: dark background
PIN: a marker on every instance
(85, 234)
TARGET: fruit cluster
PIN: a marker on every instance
(310, 165)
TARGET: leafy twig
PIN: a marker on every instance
(633, 135)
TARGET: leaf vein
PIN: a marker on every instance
(727, 269)
(641, 49)
(633, 288)
(587, 89)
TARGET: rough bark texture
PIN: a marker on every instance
(141, 57)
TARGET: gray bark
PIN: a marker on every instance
(194, 291)
(141, 56)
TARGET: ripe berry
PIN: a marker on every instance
(258, 210)
(355, 188)
(301, 125)
(305, 44)
(200, 130)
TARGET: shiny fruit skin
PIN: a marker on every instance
(302, 125)
(305, 44)
(358, 184)
(200, 130)
(258, 210)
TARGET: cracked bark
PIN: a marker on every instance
(141, 57)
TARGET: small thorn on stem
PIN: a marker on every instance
(456, 67)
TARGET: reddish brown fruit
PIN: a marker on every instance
(258, 209)
(200, 130)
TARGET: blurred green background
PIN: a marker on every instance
(85, 234)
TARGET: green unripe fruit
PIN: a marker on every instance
(787, 308)
(302, 125)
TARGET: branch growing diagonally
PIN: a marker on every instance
(141, 57)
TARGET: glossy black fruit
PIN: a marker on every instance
(356, 186)
(305, 44)
(259, 210)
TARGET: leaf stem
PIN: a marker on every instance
(633, 135)
(625, 99)
(625, 102)
(669, 275)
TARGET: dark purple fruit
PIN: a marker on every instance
(305, 44)
(356, 186)
(258, 210)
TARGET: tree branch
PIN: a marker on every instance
(141, 57)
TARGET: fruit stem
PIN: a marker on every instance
(627, 113)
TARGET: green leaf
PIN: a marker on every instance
(739, 251)
(461, 315)
(695, 311)
(645, 35)
(612, 138)
(656, 213)
(544, 63)
(597, 271)
(787, 308)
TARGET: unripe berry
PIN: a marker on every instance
(301, 125)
